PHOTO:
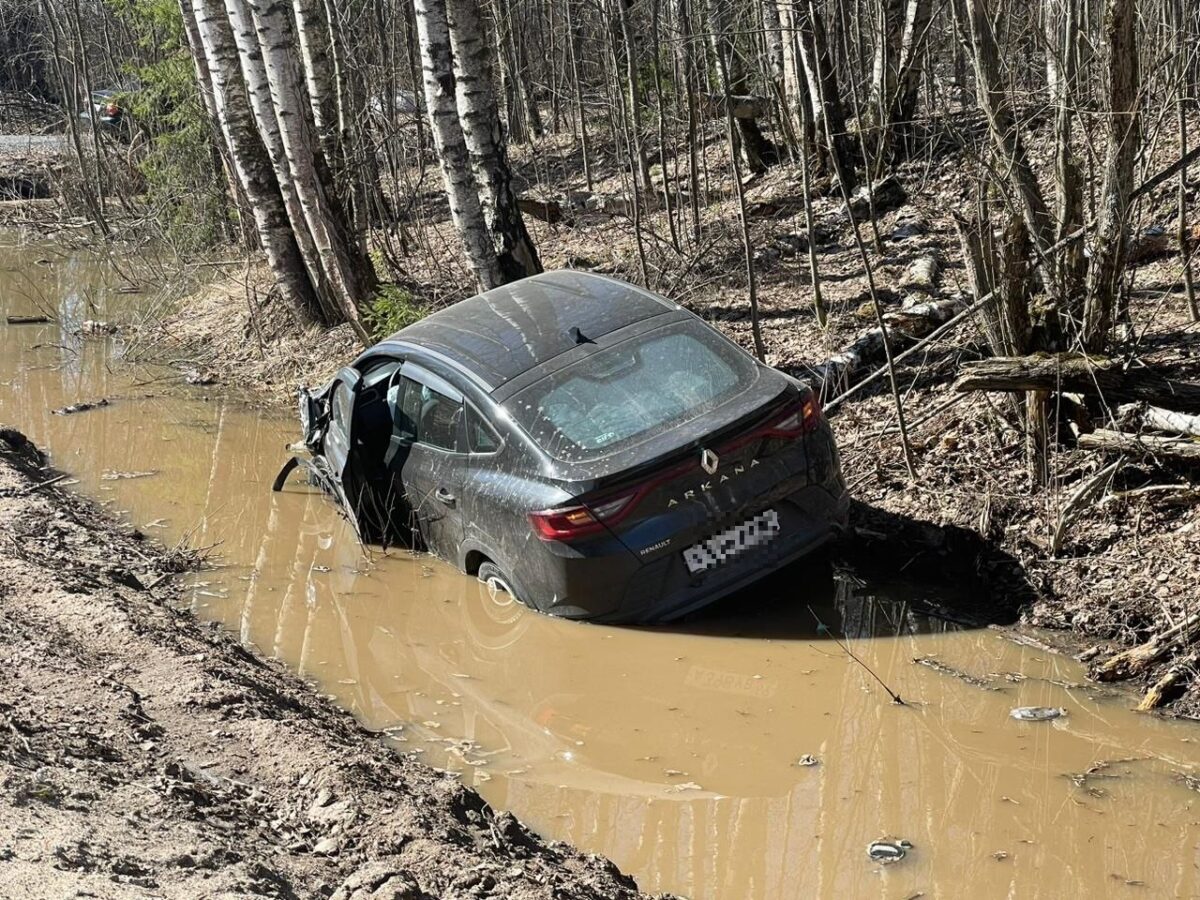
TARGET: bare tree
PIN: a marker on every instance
(1124, 139)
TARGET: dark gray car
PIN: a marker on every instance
(592, 448)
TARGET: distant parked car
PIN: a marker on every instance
(589, 447)
(105, 107)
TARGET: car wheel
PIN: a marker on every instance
(497, 582)
(497, 620)
(489, 573)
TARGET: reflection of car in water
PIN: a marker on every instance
(529, 691)
(593, 449)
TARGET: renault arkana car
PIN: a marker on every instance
(590, 447)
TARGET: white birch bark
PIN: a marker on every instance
(461, 189)
(313, 33)
(254, 75)
(793, 90)
(889, 26)
(196, 46)
(484, 138)
(912, 58)
(829, 119)
(273, 25)
(206, 23)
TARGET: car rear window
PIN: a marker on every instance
(620, 396)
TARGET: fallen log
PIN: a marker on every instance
(923, 342)
(1135, 661)
(80, 407)
(921, 276)
(1170, 421)
(1077, 374)
(905, 324)
(883, 196)
(1171, 685)
(27, 320)
(1141, 444)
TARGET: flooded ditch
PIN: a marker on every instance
(741, 754)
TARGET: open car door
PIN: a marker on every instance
(328, 421)
(338, 444)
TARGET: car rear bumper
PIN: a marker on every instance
(624, 590)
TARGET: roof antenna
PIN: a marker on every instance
(578, 336)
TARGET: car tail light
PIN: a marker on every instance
(798, 420)
(566, 523)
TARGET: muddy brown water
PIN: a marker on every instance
(676, 752)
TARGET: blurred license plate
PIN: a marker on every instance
(721, 548)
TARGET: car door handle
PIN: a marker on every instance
(445, 496)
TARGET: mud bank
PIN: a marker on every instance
(147, 754)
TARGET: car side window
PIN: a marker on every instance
(433, 417)
(403, 425)
(481, 437)
(341, 407)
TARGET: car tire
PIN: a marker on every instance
(490, 575)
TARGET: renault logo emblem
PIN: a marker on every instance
(709, 461)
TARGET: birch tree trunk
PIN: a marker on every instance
(885, 64)
(254, 76)
(313, 33)
(1124, 138)
(911, 68)
(829, 118)
(206, 21)
(480, 118)
(461, 189)
(773, 38)
(793, 84)
(348, 273)
(220, 149)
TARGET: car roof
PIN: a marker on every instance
(509, 330)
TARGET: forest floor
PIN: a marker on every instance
(1127, 564)
(148, 754)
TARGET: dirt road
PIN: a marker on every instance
(144, 754)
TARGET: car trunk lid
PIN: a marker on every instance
(731, 472)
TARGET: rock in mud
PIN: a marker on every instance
(1037, 713)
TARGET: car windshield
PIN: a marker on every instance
(618, 397)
